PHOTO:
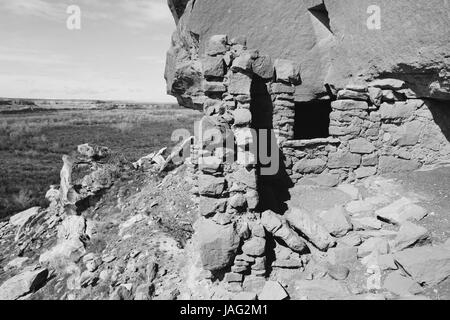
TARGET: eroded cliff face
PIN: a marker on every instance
(329, 39)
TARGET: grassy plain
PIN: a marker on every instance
(33, 140)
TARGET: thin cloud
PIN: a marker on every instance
(137, 14)
(37, 8)
(39, 58)
(32, 57)
(41, 86)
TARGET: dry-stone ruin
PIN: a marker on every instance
(342, 103)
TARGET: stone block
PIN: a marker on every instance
(409, 134)
(213, 67)
(336, 221)
(345, 105)
(239, 84)
(370, 160)
(242, 63)
(214, 87)
(210, 206)
(211, 186)
(281, 88)
(308, 166)
(246, 177)
(263, 67)
(237, 201)
(210, 165)
(365, 172)
(398, 111)
(255, 247)
(428, 265)
(242, 117)
(217, 244)
(304, 222)
(389, 164)
(217, 44)
(342, 159)
(352, 95)
(361, 146)
(287, 71)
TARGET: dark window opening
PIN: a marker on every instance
(321, 13)
(312, 119)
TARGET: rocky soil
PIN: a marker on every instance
(132, 238)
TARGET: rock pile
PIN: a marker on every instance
(36, 226)
(315, 253)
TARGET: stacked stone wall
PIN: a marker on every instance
(231, 234)
(374, 128)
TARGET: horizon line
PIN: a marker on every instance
(88, 99)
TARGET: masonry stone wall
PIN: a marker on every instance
(374, 128)
(231, 232)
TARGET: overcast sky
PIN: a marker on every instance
(118, 54)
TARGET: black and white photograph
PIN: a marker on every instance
(224, 156)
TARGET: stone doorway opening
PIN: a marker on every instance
(312, 119)
(272, 189)
(261, 105)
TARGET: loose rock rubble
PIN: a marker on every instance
(59, 239)
(23, 284)
(376, 250)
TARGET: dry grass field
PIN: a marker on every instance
(32, 140)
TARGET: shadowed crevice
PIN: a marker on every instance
(320, 12)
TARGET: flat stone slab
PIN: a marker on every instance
(18, 220)
(317, 198)
(22, 284)
(401, 285)
(321, 289)
(273, 290)
(308, 143)
(401, 211)
(428, 265)
(409, 235)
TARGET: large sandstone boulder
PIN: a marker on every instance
(20, 219)
(306, 224)
(70, 243)
(217, 244)
(22, 284)
(330, 40)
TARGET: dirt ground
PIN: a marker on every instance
(433, 187)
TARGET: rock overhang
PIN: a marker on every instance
(408, 46)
